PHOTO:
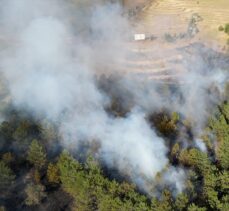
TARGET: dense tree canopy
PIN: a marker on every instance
(89, 187)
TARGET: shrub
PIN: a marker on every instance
(221, 28)
(35, 193)
(226, 28)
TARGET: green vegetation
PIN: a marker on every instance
(219, 124)
(35, 193)
(92, 191)
(53, 174)
(226, 30)
(8, 157)
(46, 173)
(6, 176)
(36, 155)
(221, 28)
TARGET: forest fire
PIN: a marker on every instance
(107, 123)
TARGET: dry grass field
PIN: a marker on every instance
(161, 60)
(173, 16)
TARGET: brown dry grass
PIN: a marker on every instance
(172, 16)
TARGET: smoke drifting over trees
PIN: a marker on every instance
(52, 66)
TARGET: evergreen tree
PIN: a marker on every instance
(181, 201)
(8, 157)
(36, 155)
(53, 173)
(6, 176)
(194, 207)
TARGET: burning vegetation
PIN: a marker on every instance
(91, 120)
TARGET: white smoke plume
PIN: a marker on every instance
(176, 177)
(47, 77)
(50, 65)
(201, 145)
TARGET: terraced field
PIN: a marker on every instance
(160, 59)
(173, 16)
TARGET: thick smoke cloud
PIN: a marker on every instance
(51, 65)
(49, 76)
